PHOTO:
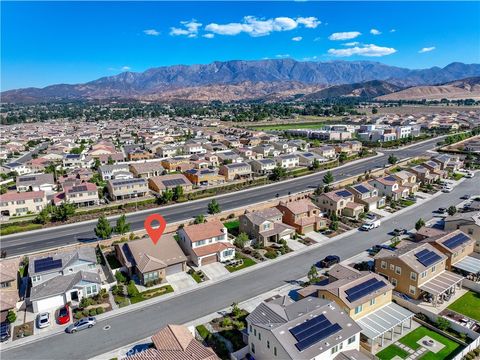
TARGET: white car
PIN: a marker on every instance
(43, 320)
(370, 225)
(469, 174)
(447, 189)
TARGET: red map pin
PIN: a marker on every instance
(155, 233)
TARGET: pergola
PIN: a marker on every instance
(384, 323)
(469, 265)
(446, 282)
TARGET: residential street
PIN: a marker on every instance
(141, 323)
(57, 236)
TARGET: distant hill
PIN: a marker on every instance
(364, 90)
(459, 89)
(154, 82)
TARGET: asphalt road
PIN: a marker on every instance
(141, 323)
(28, 156)
(62, 235)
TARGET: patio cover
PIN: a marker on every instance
(384, 319)
(441, 283)
(469, 264)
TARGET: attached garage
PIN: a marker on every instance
(48, 303)
(174, 269)
(208, 260)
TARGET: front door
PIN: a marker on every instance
(74, 295)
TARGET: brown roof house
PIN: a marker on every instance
(158, 184)
(339, 202)
(8, 286)
(206, 243)
(367, 195)
(149, 262)
(175, 342)
(265, 226)
(303, 215)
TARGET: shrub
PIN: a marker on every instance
(226, 322)
(238, 325)
(86, 301)
(270, 254)
(11, 316)
(100, 310)
(86, 312)
(132, 289)
(442, 323)
(92, 312)
(78, 315)
(120, 277)
(476, 351)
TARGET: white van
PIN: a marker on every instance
(370, 225)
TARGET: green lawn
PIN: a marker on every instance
(148, 294)
(390, 352)
(446, 353)
(16, 228)
(202, 331)
(232, 227)
(246, 263)
(406, 202)
(196, 277)
(468, 305)
(457, 176)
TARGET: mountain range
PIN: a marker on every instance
(241, 80)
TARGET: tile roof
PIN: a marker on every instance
(212, 248)
(14, 196)
(299, 206)
(198, 232)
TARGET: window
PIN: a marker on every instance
(259, 336)
(36, 278)
(255, 332)
(5, 284)
(253, 348)
(372, 302)
(398, 270)
(413, 276)
(392, 267)
(275, 350)
(351, 340)
(412, 289)
(394, 282)
(250, 328)
(423, 274)
(268, 344)
(383, 265)
(358, 309)
(433, 268)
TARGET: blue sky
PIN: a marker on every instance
(46, 43)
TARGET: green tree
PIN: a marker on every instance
(167, 196)
(177, 193)
(342, 157)
(199, 219)
(103, 230)
(313, 274)
(236, 312)
(374, 110)
(96, 164)
(213, 207)
(132, 289)
(328, 179)
(419, 224)
(452, 210)
(63, 211)
(333, 225)
(110, 161)
(319, 190)
(11, 316)
(278, 173)
(3, 189)
(122, 227)
(241, 240)
(42, 217)
(392, 159)
(316, 164)
(442, 323)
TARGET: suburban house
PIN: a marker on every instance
(407, 179)
(35, 182)
(424, 175)
(174, 342)
(389, 186)
(448, 162)
(13, 203)
(307, 158)
(458, 247)
(193, 148)
(166, 151)
(303, 215)
(265, 226)
(325, 151)
(127, 189)
(263, 166)
(176, 163)
(116, 171)
(151, 263)
(84, 194)
(418, 271)
(72, 161)
(158, 184)
(206, 243)
(311, 328)
(147, 169)
(339, 202)
(236, 171)
(139, 154)
(367, 195)
(367, 298)
(9, 293)
(229, 157)
(287, 161)
(468, 222)
(204, 177)
(435, 168)
(63, 277)
(19, 168)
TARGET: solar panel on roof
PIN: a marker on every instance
(47, 264)
(299, 332)
(364, 289)
(317, 336)
(427, 258)
(28, 178)
(390, 178)
(456, 240)
(362, 189)
(343, 193)
(80, 188)
(173, 182)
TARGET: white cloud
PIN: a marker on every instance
(209, 36)
(344, 35)
(353, 43)
(282, 56)
(375, 32)
(190, 29)
(426, 49)
(126, 68)
(393, 30)
(318, 38)
(261, 27)
(363, 50)
(151, 32)
(310, 58)
(297, 38)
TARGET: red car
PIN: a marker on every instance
(63, 315)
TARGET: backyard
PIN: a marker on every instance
(392, 351)
(246, 263)
(232, 227)
(468, 305)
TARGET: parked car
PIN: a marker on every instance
(82, 324)
(469, 174)
(399, 232)
(43, 320)
(442, 210)
(4, 331)
(63, 315)
(370, 225)
(465, 197)
(371, 216)
(329, 260)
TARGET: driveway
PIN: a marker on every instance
(215, 270)
(295, 245)
(315, 236)
(181, 281)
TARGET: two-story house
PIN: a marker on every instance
(287, 161)
(63, 277)
(115, 171)
(339, 202)
(84, 194)
(147, 169)
(407, 180)
(389, 186)
(17, 204)
(236, 171)
(309, 329)
(206, 243)
(35, 182)
(367, 195)
(158, 184)
(303, 215)
(263, 166)
(468, 222)
(265, 226)
(424, 175)
(435, 168)
(204, 177)
(9, 294)
(326, 151)
(127, 189)
(418, 271)
(448, 162)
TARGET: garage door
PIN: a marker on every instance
(174, 269)
(48, 304)
(209, 259)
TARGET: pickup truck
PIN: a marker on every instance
(370, 225)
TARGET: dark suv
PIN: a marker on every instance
(330, 260)
(4, 331)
